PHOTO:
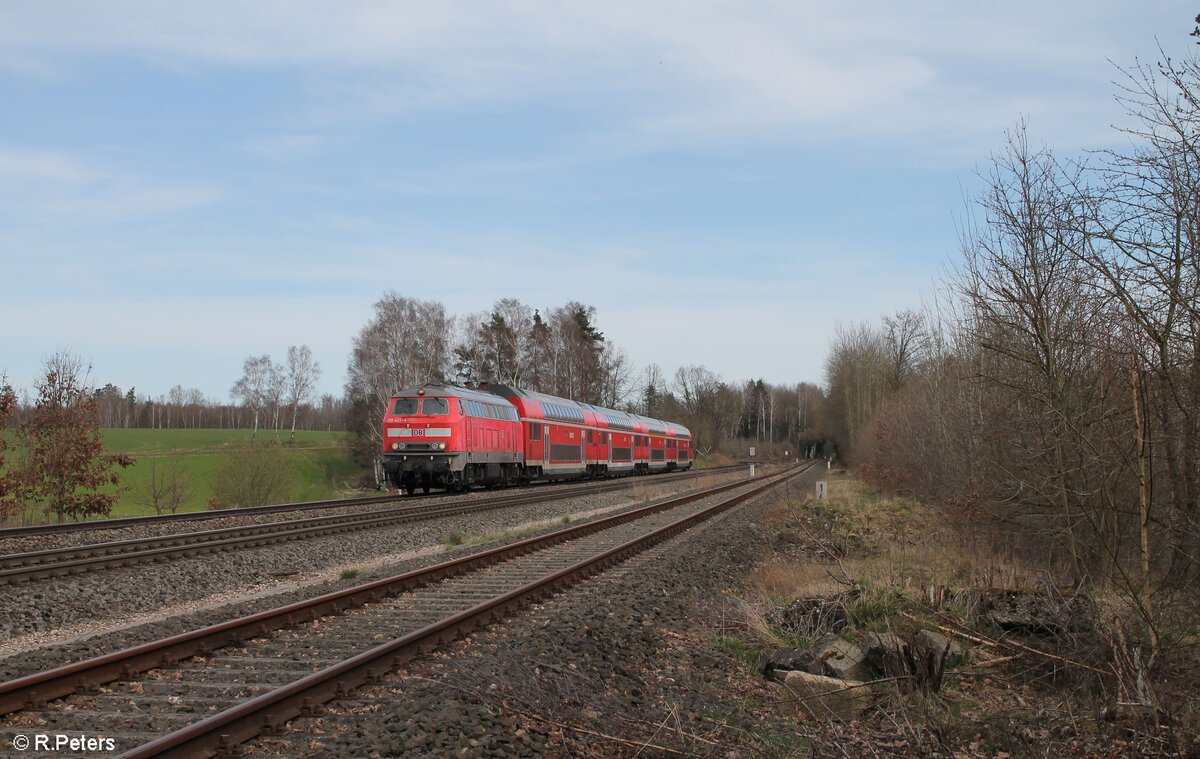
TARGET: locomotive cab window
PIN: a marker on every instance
(434, 407)
(404, 407)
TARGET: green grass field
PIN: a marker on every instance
(322, 464)
(320, 461)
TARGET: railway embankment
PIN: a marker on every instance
(62, 619)
(961, 652)
(913, 634)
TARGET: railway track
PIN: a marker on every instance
(57, 562)
(206, 691)
(250, 511)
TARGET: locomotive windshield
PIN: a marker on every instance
(434, 407)
(429, 407)
(404, 407)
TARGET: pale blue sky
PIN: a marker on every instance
(183, 185)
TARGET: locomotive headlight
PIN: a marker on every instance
(399, 446)
(395, 446)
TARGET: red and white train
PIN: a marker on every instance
(446, 436)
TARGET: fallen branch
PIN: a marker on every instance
(995, 662)
(848, 686)
(1009, 644)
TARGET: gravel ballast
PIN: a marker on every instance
(50, 622)
(620, 665)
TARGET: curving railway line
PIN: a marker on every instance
(253, 511)
(57, 562)
(206, 691)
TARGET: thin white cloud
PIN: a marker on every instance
(672, 69)
(36, 186)
(18, 168)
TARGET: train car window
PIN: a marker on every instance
(460, 413)
(603, 438)
(434, 407)
(404, 407)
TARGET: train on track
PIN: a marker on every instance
(453, 437)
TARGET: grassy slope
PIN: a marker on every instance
(1034, 693)
(321, 461)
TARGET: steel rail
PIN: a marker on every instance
(222, 733)
(33, 690)
(31, 565)
(196, 516)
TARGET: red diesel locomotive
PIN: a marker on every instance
(452, 437)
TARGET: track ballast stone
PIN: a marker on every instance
(250, 580)
(617, 666)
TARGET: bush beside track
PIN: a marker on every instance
(320, 461)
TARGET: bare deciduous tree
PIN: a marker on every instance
(302, 375)
(254, 387)
(167, 484)
(406, 342)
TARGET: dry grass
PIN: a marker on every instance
(788, 579)
(882, 541)
(899, 555)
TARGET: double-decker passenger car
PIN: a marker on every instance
(453, 437)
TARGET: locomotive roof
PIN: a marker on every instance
(452, 391)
